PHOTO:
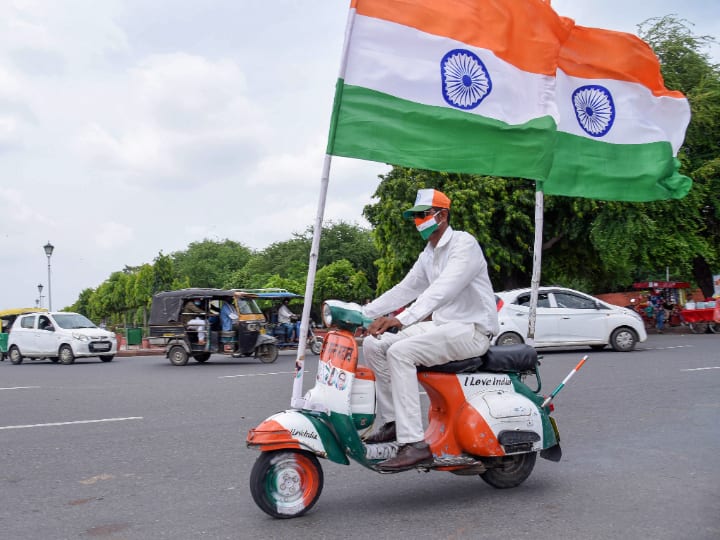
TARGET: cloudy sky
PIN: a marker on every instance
(130, 127)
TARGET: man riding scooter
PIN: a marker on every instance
(449, 281)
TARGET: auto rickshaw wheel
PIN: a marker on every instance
(267, 353)
(178, 356)
(202, 357)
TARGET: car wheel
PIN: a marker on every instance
(623, 339)
(509, 338)
(107, 357)
(178, 356)
(15, 355)
(66, 355)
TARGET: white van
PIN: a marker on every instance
(59, 336)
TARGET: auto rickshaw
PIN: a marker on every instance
(7, 318)
(200, 322)
(275, 297)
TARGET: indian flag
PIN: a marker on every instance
(620, 129)
(508, 88)
(463, 86)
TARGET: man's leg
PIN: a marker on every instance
(432, 346)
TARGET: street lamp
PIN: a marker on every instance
(40, 297)
(48, 251)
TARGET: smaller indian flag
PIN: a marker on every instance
(620, 129)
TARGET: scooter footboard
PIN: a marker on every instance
(293, 429)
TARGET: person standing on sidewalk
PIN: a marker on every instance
(449, 281)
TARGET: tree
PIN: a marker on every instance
(210, 263)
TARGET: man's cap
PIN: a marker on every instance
(426, 199)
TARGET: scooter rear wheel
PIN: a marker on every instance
(509, 471)
(286, 483)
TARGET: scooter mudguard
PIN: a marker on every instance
(297, 430)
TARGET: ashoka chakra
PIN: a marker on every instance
(594, 109)
(465, 79)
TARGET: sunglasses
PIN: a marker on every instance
(426, 213)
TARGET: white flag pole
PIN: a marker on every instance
(537, 262)
(297, 401)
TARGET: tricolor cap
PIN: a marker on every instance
(427, 198)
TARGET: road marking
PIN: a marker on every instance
(18, 387)
(664, 348)
(259, 374)
(75, 422)
(701, 368)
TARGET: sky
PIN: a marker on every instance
(130, 128)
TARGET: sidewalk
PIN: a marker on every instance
(137, 350)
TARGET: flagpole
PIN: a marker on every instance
(297, 401)
(537, 262)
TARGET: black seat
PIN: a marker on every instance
(498, 359)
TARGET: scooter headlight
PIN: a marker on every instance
(326, 315)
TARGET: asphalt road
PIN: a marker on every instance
(141, 449)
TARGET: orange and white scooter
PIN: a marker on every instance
(483, 419)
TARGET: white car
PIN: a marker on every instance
(566, 317)
(59, 336)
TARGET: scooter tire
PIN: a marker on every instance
(316, 345)
(509, 471)
(286, 483)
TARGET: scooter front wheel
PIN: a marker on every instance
(286, 483)
(509, 471)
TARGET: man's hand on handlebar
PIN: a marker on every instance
(383, 324)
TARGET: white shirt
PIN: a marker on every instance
(284, 314)
(449, 281)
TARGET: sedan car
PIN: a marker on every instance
(566, 317)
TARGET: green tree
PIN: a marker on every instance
(210, 263)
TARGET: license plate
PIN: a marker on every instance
(101, 347)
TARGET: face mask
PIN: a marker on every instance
(426, 226)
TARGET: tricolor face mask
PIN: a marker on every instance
(427, 225)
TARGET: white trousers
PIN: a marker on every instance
(394, 357)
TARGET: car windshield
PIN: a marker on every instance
(73, 320)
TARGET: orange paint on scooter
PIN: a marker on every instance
(270, 435)
(454, 426)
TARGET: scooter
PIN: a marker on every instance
(483, 419)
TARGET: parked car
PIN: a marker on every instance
(566, 317)
(60, 336)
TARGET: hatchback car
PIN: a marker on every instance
(566, 317)
(59, 336)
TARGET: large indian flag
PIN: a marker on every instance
(463, 86)
(508, 88)
(620, 129)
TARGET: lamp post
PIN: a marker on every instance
(49, 251)
(40, 297)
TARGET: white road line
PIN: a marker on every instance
(75, 422)
(701, 368)
(19, 387)
(258, 374)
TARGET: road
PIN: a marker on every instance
(139, 449)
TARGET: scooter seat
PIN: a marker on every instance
(498, 359)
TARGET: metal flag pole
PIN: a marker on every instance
(537, 262)
(297, 401)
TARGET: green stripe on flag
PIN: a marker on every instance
(379, 127)
(622, 172)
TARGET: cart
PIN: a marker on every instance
(701, 320)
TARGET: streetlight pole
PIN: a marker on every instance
(40, 296)
(49, 251)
